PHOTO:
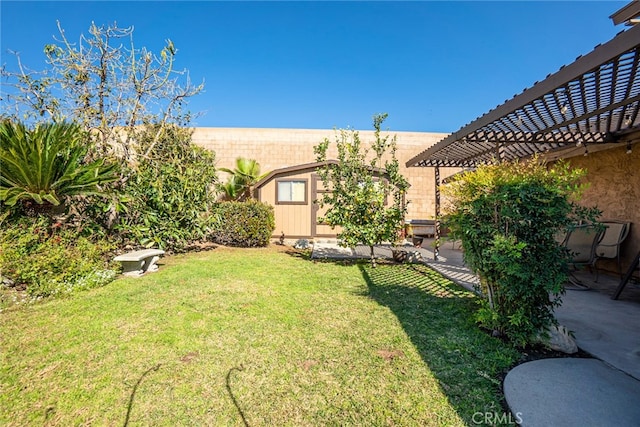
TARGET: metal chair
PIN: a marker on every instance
(609, 247)
(581, 242)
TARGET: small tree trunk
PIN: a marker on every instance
(373, 258)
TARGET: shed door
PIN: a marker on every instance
(318, 229)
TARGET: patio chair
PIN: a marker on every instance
(581, 242)
(609, 247)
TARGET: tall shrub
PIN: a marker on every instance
(507, 216)
(168, 196)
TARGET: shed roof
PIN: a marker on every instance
(592, 102)
(292, 170)
(303, 168)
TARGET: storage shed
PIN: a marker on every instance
(292, 191)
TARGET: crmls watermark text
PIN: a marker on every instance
(493, 418)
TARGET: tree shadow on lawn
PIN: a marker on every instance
(437, 315)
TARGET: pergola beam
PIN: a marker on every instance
(627, 13)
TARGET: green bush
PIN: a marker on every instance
(39, 256)
(244, 224)
(507, 217)
(167, 199)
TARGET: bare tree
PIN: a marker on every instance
(106, 84)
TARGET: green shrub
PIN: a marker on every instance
(507, 217)
(39, 256)
(167, 200)
(245, 224)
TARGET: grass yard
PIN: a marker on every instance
(253, 337)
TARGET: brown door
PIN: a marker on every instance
(319, 229)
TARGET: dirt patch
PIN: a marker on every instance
(390, 354)
(187, 358)
(538, 352)
(308, 364)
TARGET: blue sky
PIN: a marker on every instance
(433, 66)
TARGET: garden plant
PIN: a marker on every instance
(168, 197)
(367, 197)
(47, 164)
(507, 216)
(241, 179)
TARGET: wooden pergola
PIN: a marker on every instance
(588, 105)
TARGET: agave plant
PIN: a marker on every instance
(47, 164)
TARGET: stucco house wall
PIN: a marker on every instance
(613, 177)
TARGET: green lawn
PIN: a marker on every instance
(253, 337)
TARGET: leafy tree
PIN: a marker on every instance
(106, 84)
(47, 165)
(507, 216)
(367, 190)
(242, 178)
(167, 200)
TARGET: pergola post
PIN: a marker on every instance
(436, 248)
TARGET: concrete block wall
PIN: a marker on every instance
(278, 148)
